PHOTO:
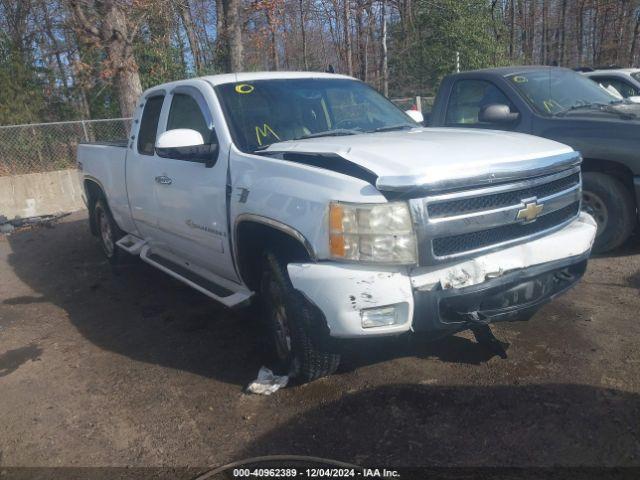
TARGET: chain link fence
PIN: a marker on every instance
(44, 147)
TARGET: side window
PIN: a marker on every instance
(149, 125)
(468, 97)
(186, 113)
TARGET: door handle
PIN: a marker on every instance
(164, 180)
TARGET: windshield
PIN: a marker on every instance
(268, 111)
(636, 75)
(553, 91)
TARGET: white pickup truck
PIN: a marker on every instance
(344, 217)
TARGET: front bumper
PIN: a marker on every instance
(504, 285)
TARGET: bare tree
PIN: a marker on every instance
(303, 34)
(107, 25)
(385, 60)
(184, 9)
(347, 36)
(233, 18)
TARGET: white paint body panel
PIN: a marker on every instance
(106, 165)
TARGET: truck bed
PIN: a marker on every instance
(104, 163)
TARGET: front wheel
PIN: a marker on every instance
(297, 334)
(611, 204)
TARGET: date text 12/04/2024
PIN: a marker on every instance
(316, 473)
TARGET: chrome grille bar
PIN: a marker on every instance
(560, 205)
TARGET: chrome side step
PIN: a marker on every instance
(131, 244)
(220, 290)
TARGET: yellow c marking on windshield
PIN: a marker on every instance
(244, 88)
(520, 79)
(264, 132)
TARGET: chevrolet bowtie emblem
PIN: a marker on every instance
(530, 211)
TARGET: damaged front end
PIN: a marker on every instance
(504, 285)
(512, 296)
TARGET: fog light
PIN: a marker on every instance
(384, 316)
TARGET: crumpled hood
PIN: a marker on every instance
(439, 157)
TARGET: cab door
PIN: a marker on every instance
(142, 165)
(469, 96)
(190, 194)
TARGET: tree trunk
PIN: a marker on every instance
(347, 36)
(385, 60)
(512, 33)
(634, 41)
(561, 45)
(185, 14)
(303, 33)
(580, 38)
(234, 34)
(114, 33)
(275, 55)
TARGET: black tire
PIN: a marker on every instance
(297, 335)
(108, 231)
(610, 202)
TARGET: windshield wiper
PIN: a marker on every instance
(338, 132)
(579, 106)
(262, 147)
(390, 128)
(603, 107)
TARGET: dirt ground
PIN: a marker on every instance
(130, 368)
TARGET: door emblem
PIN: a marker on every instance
(530, 211)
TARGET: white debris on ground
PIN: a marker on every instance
(267, 382)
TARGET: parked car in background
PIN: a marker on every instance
(562, 105)
(344, 216)
(625, 81)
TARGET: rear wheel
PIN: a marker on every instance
(298, 338)
(108, 231)
(611, 204)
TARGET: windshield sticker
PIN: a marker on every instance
(520, 79)
(264, 132)
(244, 88)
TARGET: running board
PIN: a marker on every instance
(195, 281)
(131, 244)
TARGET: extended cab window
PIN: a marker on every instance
(469, 97)
(263, 112)
(149, 125)
(186, 113)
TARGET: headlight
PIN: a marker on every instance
(380, 233)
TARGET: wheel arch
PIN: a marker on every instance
(93, 190)
(610, 167)
(254, 234)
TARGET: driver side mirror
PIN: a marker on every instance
(497, 113)
(186, 144)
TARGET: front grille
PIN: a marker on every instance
(455, 244)
(450, 208)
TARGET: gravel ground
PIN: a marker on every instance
(130, 368)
